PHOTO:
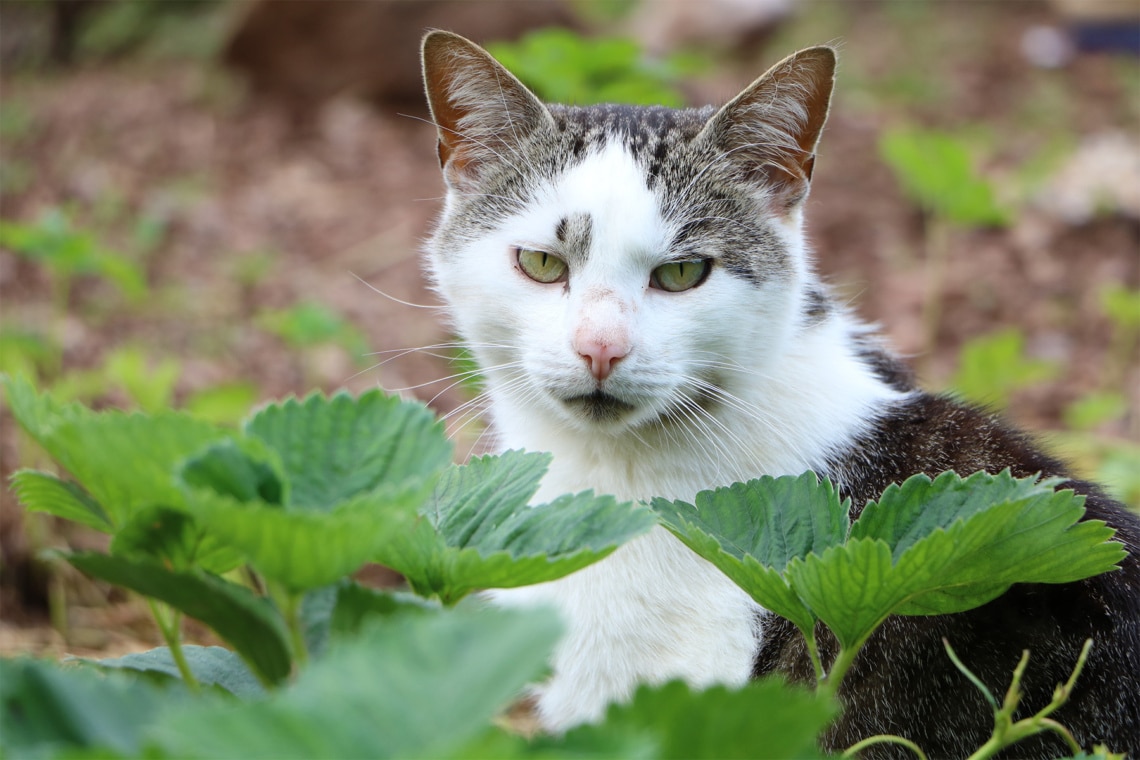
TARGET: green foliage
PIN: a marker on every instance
(69, 253)
(244, 620)
(306, 491)
(309, 324)
(664, 716)
(419, 686)
(477, 530)
(936, 170)
(46, 710)
(1095, 409)
(992, 367)
(924, 548)
(213, 666)
(564, 67)
(1122, 306)
(171, 29)
(222, 404)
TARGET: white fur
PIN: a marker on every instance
(653, 610)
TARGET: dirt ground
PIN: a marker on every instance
(337, 210)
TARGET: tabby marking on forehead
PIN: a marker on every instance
(574, 232)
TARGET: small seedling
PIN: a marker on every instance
(564, 67)
(991, 368)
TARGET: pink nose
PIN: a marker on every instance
(601, 356)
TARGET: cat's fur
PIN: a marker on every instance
(640, 392)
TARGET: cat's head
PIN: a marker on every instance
(615, 266)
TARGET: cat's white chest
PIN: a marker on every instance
(651, 612)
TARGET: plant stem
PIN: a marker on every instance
(813, 653)
(292, 608)
(884, 739)
(1007, 732)
(839, 668)
(171, 628)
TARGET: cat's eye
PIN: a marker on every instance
(679, 275)
(541, 266)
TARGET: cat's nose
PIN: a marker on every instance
(601, 357)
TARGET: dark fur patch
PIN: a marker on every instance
(902, 681)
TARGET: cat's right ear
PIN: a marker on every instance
(480, 109)
(769, 132)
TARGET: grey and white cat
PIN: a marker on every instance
(636, 288)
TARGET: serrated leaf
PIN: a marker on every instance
(356, 606)
(850, 588)
(766, 718)
(752, 531)
(125, 462)
(43, 492)
(1000, 533)
(904, 514)
(215, 666)
(479, 532)
(305, 550)
(774, 520)
(334, 449)
(174, 538)
(411, 687)
(46, 709)
(247, 622)
(38, 414)
(232, 469)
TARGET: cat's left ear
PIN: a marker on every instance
(481, 110)
(770, 130)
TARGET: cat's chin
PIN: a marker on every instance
(599, 408)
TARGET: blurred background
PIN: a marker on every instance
(203, 203)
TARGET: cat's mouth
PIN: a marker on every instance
(599, 406)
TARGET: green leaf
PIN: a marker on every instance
(149, 384)
(247, 622)
(222, 404)
(1094, 409)
(937, 173)
(904, 514)
(312, 324)
(41, 492)
(46, 709)
(334, 449)
(211, 666)
(237, 471)
(39, 414)
(357, 605)
(125, 462)
(752, 531)
(774, 520)
(479, 532)
(991, 368)
(175, 539)
(948, 545)
(766, 718)
(416, 686)
(305, 550)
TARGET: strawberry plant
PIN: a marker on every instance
(257, 531)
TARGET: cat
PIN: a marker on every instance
(636, 288)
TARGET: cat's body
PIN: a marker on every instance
(636, 288)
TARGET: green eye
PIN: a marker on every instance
(679, 275)
(541, 266)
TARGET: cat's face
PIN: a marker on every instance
(616, 267)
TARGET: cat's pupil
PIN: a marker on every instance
(677, 276)
(541, 266)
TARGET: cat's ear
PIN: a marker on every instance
(770, 130)
(481, 110)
